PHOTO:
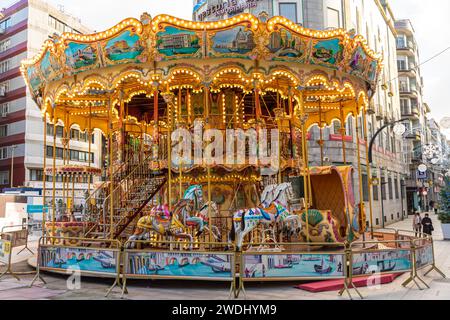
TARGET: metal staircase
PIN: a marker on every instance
(135, 185)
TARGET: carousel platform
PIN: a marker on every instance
(336, 285)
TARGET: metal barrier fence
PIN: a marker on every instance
(396, 252)
(97, 257)
(173, 263)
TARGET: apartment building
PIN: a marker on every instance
(24, 26)
(373, 20)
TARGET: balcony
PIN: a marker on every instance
(415, 136)
(409, 48)
(405, 26)
(410, 90)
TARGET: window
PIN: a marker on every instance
(397, 195)
(4, 109)
(4, 66)
(289, 11)
(383, 188)
(4, 177)
(333, 18)
(4, 153)
(401, 42)
(365, 187)
(4, 131)
(337, 127)
(375, 193)
(74, 134)
(5, 24)
(5, 45)
(4, 87)
(402, 63)
(36, 175)
(74, 155)
(391, 193)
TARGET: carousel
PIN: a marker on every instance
(184, 108)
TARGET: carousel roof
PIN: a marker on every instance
(165, 38)
(75, 77)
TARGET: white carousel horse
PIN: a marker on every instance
(283, 193)
(245, 221)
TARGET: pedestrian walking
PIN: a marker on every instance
(417, 224)
(427, 225)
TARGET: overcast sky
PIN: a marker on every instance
(430, 19)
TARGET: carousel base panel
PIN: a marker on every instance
(336, 285)
(32, 262)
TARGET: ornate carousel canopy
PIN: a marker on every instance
(78, 77)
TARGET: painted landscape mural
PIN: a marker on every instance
(327, 53)
(180, 264)
(233, 41)
(79, 55)
(284, 44)
(50, 67)
(124, 47)
(381, 262)
(92, 260)
(173, 41)
(294, 266)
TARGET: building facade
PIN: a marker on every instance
(25, 25)
(373, 20)
(425, 145)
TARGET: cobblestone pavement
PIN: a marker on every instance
(95, 289)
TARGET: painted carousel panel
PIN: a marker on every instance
(293, 266)
(327, 53)
(174, 42)
(180, 264)
(50, 68)
(235, 42)
(381, 262)
(81, 57)
(286, 46)
(90, 260)
(35, 78)
(126, 47)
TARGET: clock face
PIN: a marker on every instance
(399, 129)
(445, 123)
(423, 168)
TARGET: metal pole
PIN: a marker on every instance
(369, 171)
(12, 165)
(44, 185)
(111, 170)
(54, 176)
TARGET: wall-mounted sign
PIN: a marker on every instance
(228, 7)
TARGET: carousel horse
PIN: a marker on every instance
(200, 216)
(164, 223)
(245, 221)
(283, 193)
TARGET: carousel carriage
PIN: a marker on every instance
(142, 82)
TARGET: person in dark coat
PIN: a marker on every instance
(427, 225)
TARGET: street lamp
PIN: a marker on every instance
(12, 165)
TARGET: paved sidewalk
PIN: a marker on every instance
(95, 289)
